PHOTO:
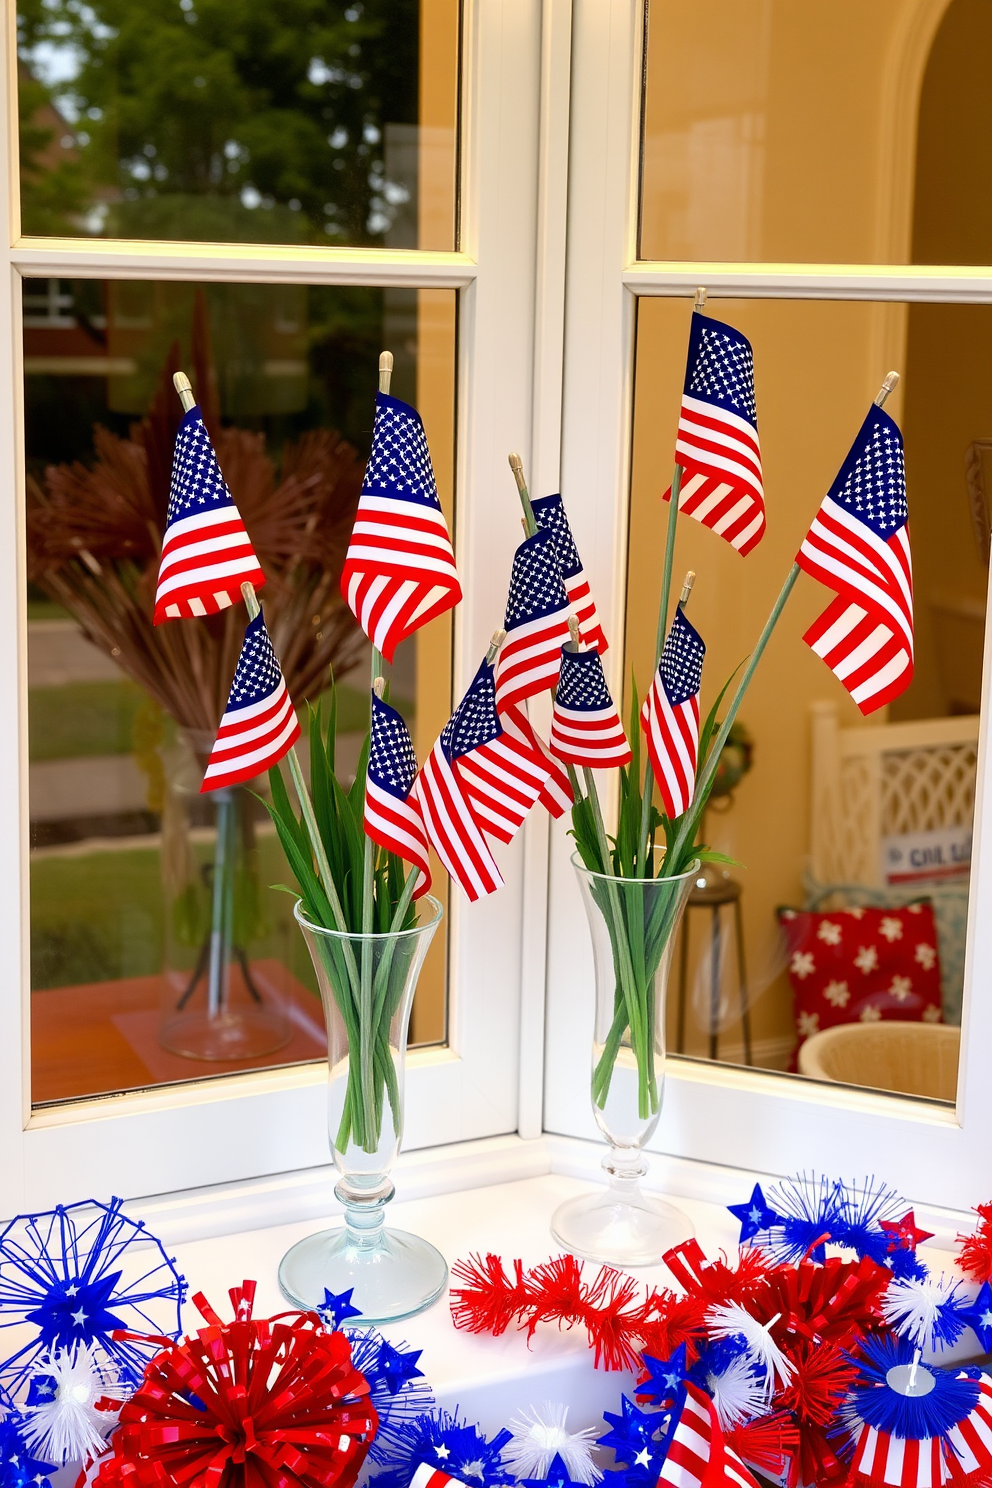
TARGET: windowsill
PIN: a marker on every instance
(494, 1196)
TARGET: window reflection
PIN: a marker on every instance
(123, 848)
(844, 914)
(838, 133)
(199, 120)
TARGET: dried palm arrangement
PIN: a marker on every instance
(95, 534)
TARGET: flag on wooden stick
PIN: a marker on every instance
(717, 441)
(206, 552)
(670, 715)
(399, 571)
(858, 546)
(585, 726)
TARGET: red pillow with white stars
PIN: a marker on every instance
(862, 965)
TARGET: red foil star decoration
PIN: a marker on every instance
(903, 1234)
(257, 1403)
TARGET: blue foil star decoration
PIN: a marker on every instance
(336, 1308)
(666, 1377)
(556, 1477)
(397, 1389)
(754, 1216)
(978, 1316)
(41, 1389)
(74, 1275)
(632, 1436)
(18, 1469)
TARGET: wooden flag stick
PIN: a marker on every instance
(530, 521)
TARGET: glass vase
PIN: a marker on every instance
(633, 922)
(219, 1003)
(367, 984)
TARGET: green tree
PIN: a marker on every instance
(225, 118)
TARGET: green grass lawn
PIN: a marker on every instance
(82, 718)
(89, 718)
(101, 916)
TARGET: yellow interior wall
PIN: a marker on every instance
(949, 371)
(782, 131)
(436, 346)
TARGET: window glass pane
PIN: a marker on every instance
(844, 133)
(862, 824)
(306, 122)
(123, 848)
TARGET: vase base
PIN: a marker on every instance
(398, 1276)
(246, 1034)
(631, 1228)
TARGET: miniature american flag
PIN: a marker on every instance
(717, 441)
(670, 716)
(392, 816)
(549, 513)
(536, 623)
(449, 818)
(858, 546)
(206, 552)
(556, 793)
(259, 724)
(399, 571)
(696, 1455)
(585, 726)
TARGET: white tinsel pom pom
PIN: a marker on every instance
(738, 1393)
(68, 1427)
(923, 1311)
(540, 1437)
(731, 1321)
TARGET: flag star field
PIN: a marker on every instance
(400, 459)
(549, 513)
(724, 370)
(475, 721)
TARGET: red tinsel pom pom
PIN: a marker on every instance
(248, 1404)
(767, 1443)
(837, 1300)
(976, 1250)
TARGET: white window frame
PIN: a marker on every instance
(234, 1128)
(715, 1113)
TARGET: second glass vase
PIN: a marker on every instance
(633, 922)
(367, 984)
